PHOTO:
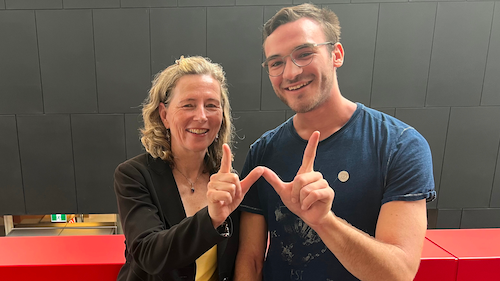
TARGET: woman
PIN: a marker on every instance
(177, 218)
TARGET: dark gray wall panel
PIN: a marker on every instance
(495, 193)
(234, 41)
(470, 158)
(491, 87)
(19, 58)
(449, 218)
(431, 218)
(249, 127)
(432, 123)
(33, 4)
(459, 53)
(320, 1)
(149, 3)
(2, 4)
(387, 110)
(402, 55)
(70, 4)
(132, 136)
(480, 218)
(367, 1)
(66, 48)
(47, 164)
(99, 146)
(206, 3)
(289, 113)
(264, 2)
(359, 29)
(11, 185)
(170, 40)
(269, 100)
(123, 59)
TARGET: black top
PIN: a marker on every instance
(161, 243)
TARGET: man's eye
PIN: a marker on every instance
(275, 63)
(304, 55)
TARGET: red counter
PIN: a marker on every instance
(436, 264)
(477, 250)
(448, 255)
(76, 258)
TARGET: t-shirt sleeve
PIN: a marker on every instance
(251, 202)
(409, 175)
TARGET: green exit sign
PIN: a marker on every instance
(58, 218)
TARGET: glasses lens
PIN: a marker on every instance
(303, 56)
(275, 66)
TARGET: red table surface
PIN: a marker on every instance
(477, 250)
(61, 257)
(101, 257)
(436, 264)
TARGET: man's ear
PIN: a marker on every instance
(338, 55)
(163, 115)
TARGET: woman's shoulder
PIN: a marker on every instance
(139, 160)
(143, 162)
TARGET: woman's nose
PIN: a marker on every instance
(200, 114)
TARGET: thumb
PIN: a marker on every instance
(225, 165)
(273, 180)
(250, 179)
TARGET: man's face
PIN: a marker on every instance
(301, 88)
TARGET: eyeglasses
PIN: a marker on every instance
(301, 56)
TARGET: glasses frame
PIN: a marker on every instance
(265, 64)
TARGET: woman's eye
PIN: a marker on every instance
(187, 105)
(212, 106)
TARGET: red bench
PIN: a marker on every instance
(448, 255)
(49, 258)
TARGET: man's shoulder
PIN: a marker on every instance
(385, 123)
(384, 118)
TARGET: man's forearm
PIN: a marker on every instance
(371, 259)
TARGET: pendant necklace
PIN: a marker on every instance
(190, 182)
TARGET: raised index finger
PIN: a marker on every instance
(309, 154)
(225, 165)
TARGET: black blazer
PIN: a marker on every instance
(161, 243)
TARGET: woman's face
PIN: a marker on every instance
(194, 114)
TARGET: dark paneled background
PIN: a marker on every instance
(73, 74)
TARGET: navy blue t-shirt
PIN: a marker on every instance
(373, 159)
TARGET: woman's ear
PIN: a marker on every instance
(163, 115)
(338, 55)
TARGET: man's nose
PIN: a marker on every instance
(291, 70)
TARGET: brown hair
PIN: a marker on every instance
(324, 16)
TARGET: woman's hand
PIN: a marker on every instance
(226, 191)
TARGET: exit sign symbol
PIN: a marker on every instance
(58, 218)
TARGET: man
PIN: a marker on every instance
(378, 169)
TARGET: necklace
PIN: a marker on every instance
(190, 182)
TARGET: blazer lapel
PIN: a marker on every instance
(166, 189)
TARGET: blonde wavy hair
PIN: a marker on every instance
(154, 134)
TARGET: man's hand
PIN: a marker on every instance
(308, 196)
(225, 190)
